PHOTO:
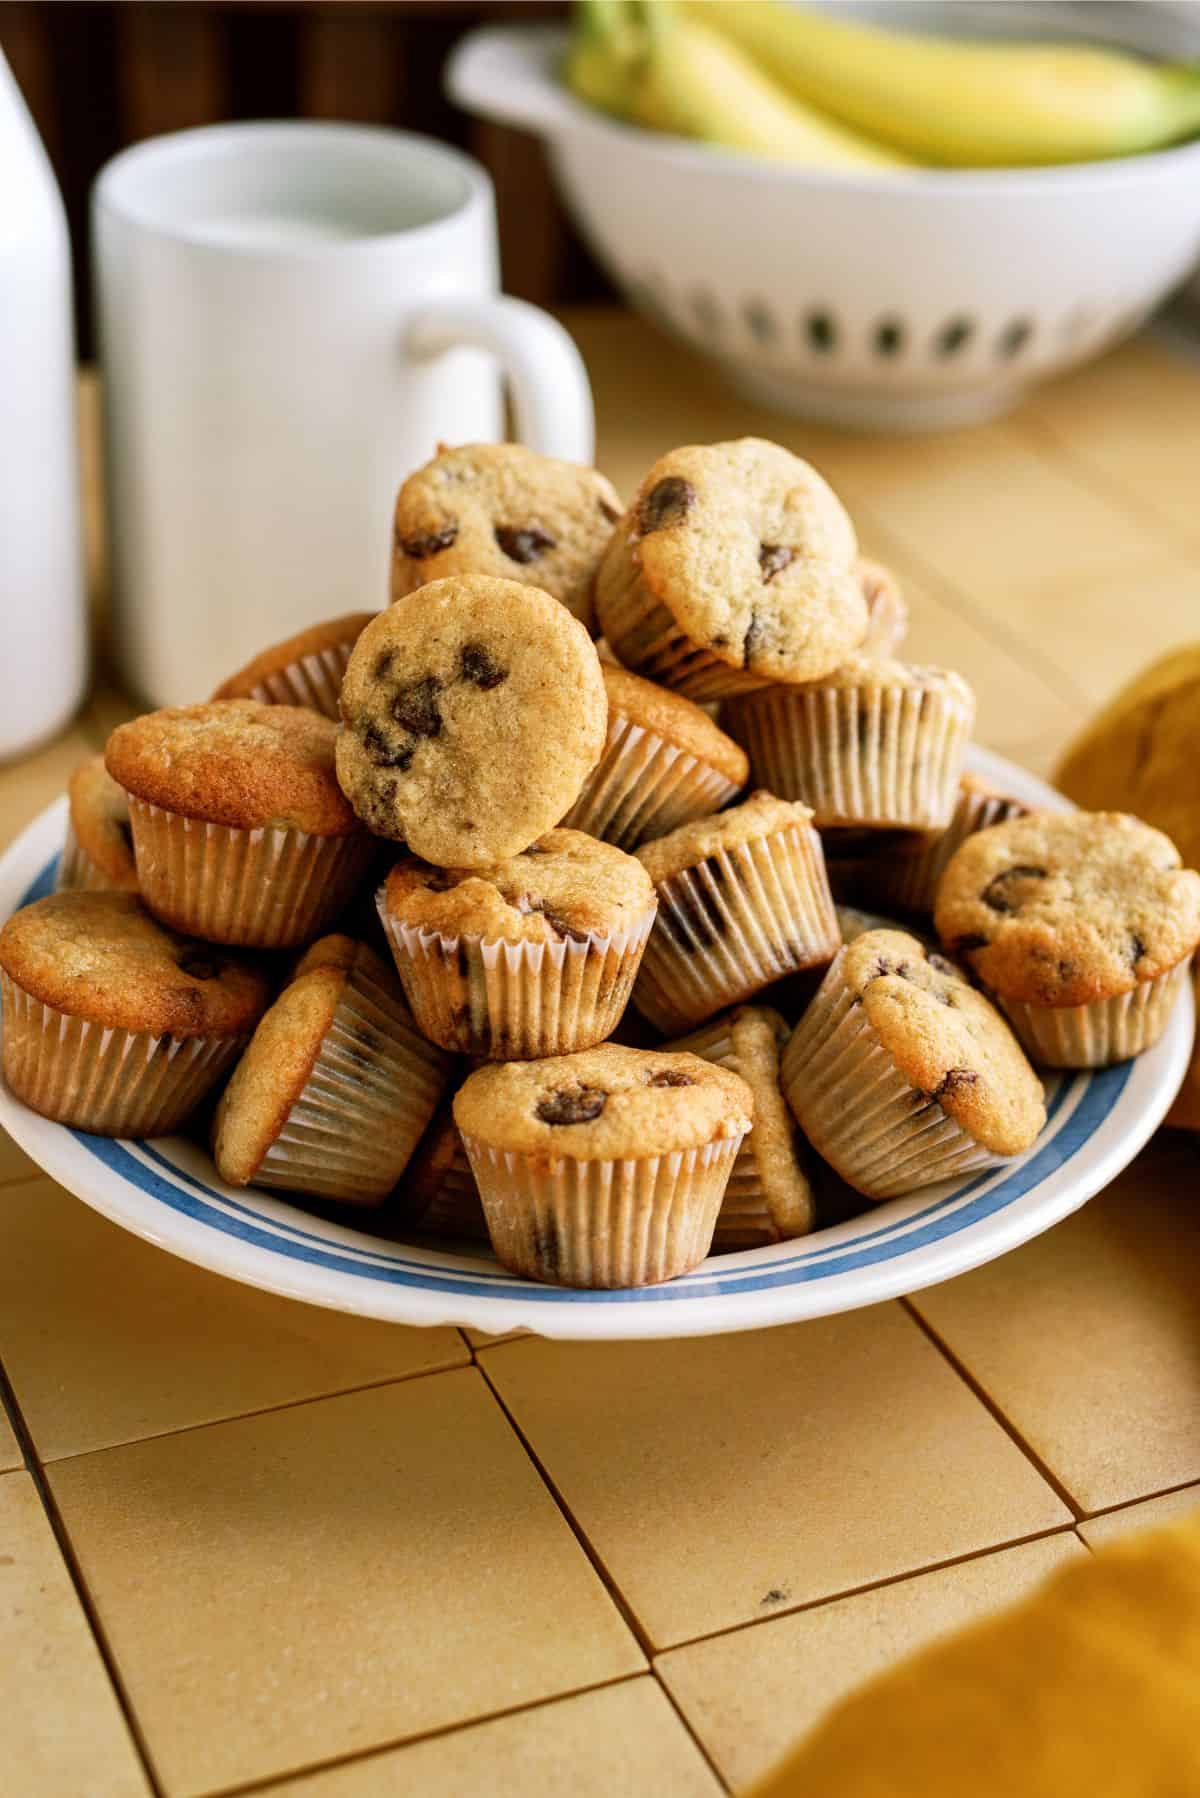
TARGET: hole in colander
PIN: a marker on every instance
(1014, 337)
(821, 331)
(706, 313)
(759, 321)
(1076, 324)
(954, 335)
(649, 296)
(889, 337)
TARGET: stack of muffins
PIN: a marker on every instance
(514, 934)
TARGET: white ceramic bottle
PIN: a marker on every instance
(43, 630)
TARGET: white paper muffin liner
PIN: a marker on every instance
(371, 1091)
(905, 876)
(456, 1208)
(602, 1223)
(263, 888)
(887, 610)
(313, 680)
(501, 1001)
(1098, 1034)
(645, 787)
(107, 1081)
(77, 872)
(886, 756)
(738, 920)
(644, 635)
(857, 1109)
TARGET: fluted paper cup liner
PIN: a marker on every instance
(313, 680)
(111, 1082)
(905, 877)
(644, 636)
(859, 1112)
(740, 919)
(263, 888)
(886, 756)
(644, 787)
(500, 1001)
(455, 1208)
(602, 1223)
(1098, 1034)
(77, 872)
(372, 1090)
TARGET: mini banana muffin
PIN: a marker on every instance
(439, 1195)
(306, 669)
(1081, 925)
(605, 1168)
(901, 1074)
(769, 1197)
(734, 567)
(500, 509)
(336, 1087)
(900, 869)
(114, 1023)
(743, 900)
(887, 609)
(98, 851)
(875, 742)
(474, 710)
(532, 956)
(664, 762)
(241, 832)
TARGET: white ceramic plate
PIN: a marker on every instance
(168, 1192)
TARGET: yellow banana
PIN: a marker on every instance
(673, 74)
(965, 102)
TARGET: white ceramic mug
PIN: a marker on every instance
(291, 318)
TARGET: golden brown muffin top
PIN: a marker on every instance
(332, 634)
(235, 762)
(946, 1039)
(101, 956)
(759, 816)
(609, 1103)
(566, 885)
(676, 720)
(100, 819)
(1061, 908)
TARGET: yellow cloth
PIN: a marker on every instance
(1090, 1689)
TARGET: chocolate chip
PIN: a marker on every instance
(429, 543)
(754, 631)
(670, 1077)
(439, 881)
(963, 945)
(611, 512)
(666, 503)
(773, 558)
(382, 750)
(558, 923)
(941, 966)
(199, 964)
(997, 893)
(415, 708)
(1137, 949)
(383, 664)
(578, 1106)
(1068, 970)
(954, 1081)
(478, 665)
(524, 545)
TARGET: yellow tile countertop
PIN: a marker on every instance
(248, 1544)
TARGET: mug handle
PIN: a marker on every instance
(552, 400)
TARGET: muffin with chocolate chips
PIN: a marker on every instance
(532, 956)
(1081, 925)
(606, 1168)
(743, 901)
(900, 1074)
(306, 669)
(114, 1023)
(336, 1087)
(98, 852)
(473, 711)
(735, 566)
(498, 508)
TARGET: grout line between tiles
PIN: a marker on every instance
(8, 1399)
(1010, 1429)
(1080, 1538)
(1143, 1498)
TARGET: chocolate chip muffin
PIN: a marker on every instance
(887, 609)
(336, 1087)
(98, 851)
(664, 762)
(474, 710)
(532, 956)
(306, 669)
(734, 567)
(769, 1197)
(1081, 924)
(900, 869)
(114, 1023)
(439, 1195)
(499, 509)
(875, 743)
(901, 1074)
(743, 900)
(240, 830)
(603, 1169)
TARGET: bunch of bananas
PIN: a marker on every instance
(804, 87)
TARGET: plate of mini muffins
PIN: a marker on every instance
(613, 937)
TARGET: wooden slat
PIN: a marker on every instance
(25, 41)
(533, 229)
(171, 69)
(350, 67)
